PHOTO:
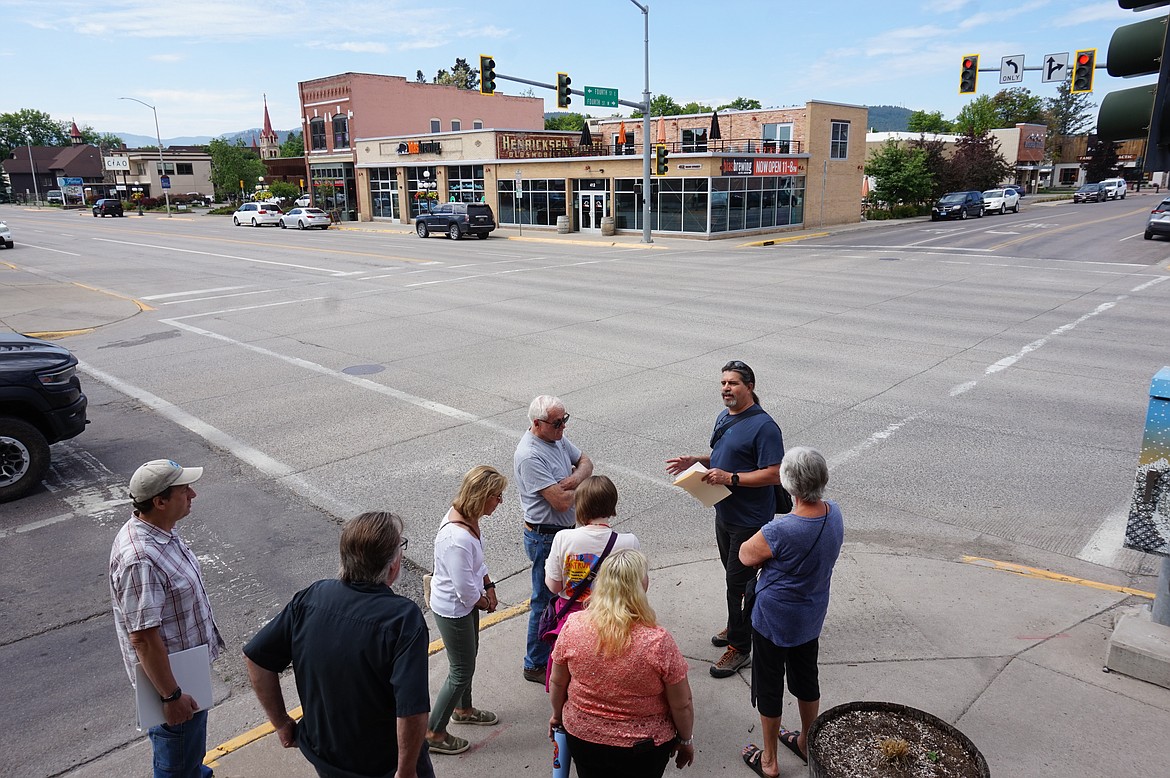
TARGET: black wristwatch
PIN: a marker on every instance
(176, 694)
(735, 479)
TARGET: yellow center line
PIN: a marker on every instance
(1048, 575)
(254, 734)
(1065, 228)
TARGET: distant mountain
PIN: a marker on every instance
(889, 118)
(135, 141)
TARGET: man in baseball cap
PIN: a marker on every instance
(161, 606)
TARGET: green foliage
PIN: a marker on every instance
(888, 118)
(932, 122)
(661, 105)
(419, 77)
(1018, 106)
(977, 117)
(741, 104)
(103, 140)
(937, 164)
(1102, 162)
(1066, 114)
(901, 174)
(977, 163)
(30, 126)
(294, 145)
(283, 190)
(565, 121)
(223, 210)
(462, 75)
(231, 163)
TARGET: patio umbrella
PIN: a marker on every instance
(622, 133)
(864, 187)
(715, 134)
(586, 136)
(662, 129)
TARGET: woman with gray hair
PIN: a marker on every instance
(795, 554)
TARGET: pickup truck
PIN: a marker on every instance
(41, 403)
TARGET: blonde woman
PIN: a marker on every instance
(460, 589)
(619, 683)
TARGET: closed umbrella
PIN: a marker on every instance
(586, 136)
(715, 134)
(662, 129)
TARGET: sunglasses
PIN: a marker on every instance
(556, 425)
(405, 542)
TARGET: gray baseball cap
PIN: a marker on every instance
(154, 477)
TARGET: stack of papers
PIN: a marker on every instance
(691, 479)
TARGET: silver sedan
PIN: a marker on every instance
(305, 219)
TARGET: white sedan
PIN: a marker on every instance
(305, 219)
(5, 236)
(1002, 200)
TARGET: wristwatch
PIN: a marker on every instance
(735, 479)
(176, 694)
(688, 742)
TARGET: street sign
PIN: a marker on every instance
(165, 181)
(1011, 69)
(1055, 67)
(602, 96)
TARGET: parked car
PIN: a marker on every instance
(457, 220)
(958, 205)
(1158, 222)
(55, 196)
(1001, 200)
(304, 201)
(256, 214)
(305, 219)
(107, 207)
(198, 198)
(1115, 188)
(1091, 193)
(5, 236)
(1017, 189)
(41, 403)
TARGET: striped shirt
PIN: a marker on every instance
(155, 581)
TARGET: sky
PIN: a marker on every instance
(206, 65)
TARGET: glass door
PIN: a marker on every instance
(591, 210)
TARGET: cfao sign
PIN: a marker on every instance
(116, 163)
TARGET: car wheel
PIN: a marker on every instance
(934, 217)
(24, 458)
(283, 226)
(453, 232)
(481, 235)
(1148, 235)
(254, 224)
(963, 213)
(421, 229)
(300, 224)
(1003, 209)
(235, 221)
(1123, 195)
(1016, 209)
(980, 214)
(95, 215)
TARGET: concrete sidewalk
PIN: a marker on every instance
(1014, 660)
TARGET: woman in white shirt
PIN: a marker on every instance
(460, 589)
(574, 552)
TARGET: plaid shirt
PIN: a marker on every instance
(155, 582)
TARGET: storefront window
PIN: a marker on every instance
(694, 140)
(316, 134)
(542, 203)
(334, 189)
(465, 183)
(340, 132)
(417, 190)
(384, 193)
(777, 138)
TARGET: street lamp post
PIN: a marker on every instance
(161, 163)
(33, 167)
(645, 9)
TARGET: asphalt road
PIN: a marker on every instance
(978, 387)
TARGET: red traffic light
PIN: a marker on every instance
(1083, 58)
(967, 62)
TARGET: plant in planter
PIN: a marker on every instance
(887, 740)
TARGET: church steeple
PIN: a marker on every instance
(75, 135)
(269, 140)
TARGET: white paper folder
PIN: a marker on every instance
(691, 479)
(192, 670)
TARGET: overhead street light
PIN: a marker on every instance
(162, 164)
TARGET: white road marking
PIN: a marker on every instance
(232, 256)
(1130, 237)
(217, 297)
(1102, 547)
(86, 485)
(1008, 361)
(193, 291)
(877, 437)
(46, 248)
(912, 246)
(997, 232)
(1148, 284)
(245, 308)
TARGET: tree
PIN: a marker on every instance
(741, 104)
(462, 76)
(294, 145)
(932, 122)
(1017, 106)
(977, 117)
(1102, 162)
(285, 191)
(977, 163)
(103, 140)
(566, 121)
(901, 174)
(660, 105)
(937, 164)
(30, 126)
(232, 163)
(1066, 114)
(419, 77)
(693, 107)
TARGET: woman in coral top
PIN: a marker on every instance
(619, 683)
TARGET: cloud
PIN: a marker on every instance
(356, 47)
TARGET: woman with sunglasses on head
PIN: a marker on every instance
(619, 683)
(460, 589)
(796, 554)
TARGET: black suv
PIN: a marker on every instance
(457, 220)
(41, 402)
(108, 208)
(958, 205)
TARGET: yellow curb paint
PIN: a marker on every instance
(9, 265)
(252, 735)
(141, 305)
(1048, 575)
(791, 239)
(58, 334)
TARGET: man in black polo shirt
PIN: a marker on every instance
(359, 655)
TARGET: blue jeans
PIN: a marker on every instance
(179, 750)
(537, 546)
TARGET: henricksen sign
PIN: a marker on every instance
(533, 145)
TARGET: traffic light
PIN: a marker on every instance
(661, 166)
(969, 74)
(1139, 112)
(487, 75)
(563, 98)
(1082, 74)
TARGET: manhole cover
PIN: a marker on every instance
(363, 369)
